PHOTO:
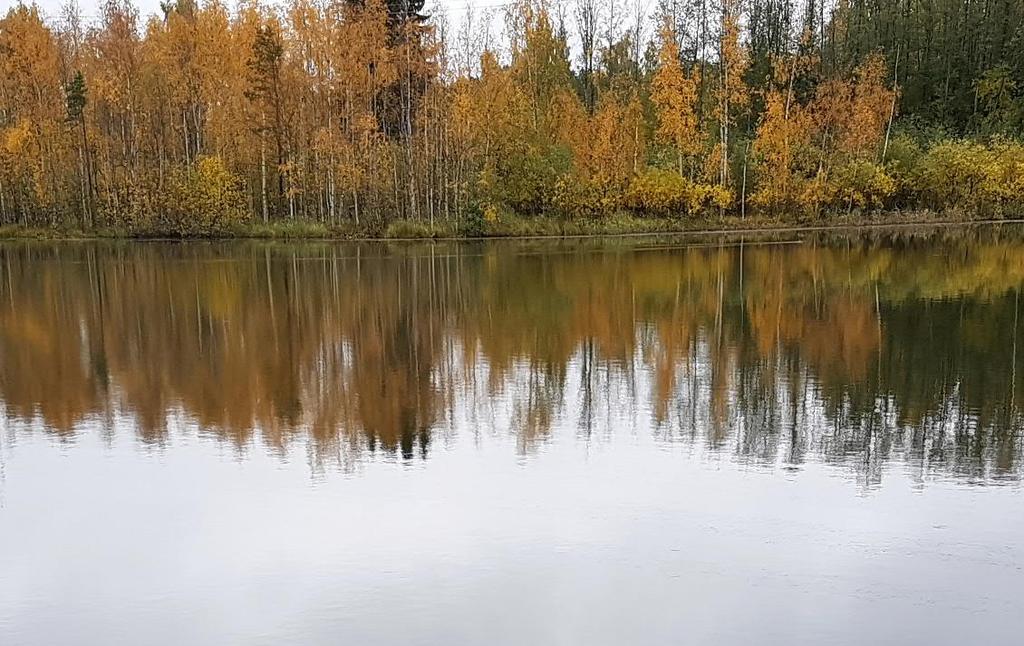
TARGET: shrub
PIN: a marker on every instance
(526, 181)
(659, 192)
(957, 175)
(474, 224)
(814, 194)
(662, 192)
(131, 205)
(204, 199)
(862, 184)
(580, 197)
(902, 163)
(716, 196)
(1008, 177)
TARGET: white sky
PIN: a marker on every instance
(454, 8)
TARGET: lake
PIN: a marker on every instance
(797, 438)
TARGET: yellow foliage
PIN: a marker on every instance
(583, 197)
(205, 199)
(869, 109)
(718, 197)
(333, 110)
(784, 134)
(491, 213)
(606, 146)
(851, 114)
(669, 193)
(954, 174)
(969, 175)
(822, 154)
(732, 93)
(661, 191)
(862, 185)
(1008, 176)
(674, 95)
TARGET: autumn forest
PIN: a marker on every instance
(387, 116)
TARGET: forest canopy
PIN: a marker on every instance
(367, 112)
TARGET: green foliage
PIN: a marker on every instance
(1000, 101)
(526, 181)
(75, 98)
(946, 49)
(400, 229)
(474, 222)
(264, 65)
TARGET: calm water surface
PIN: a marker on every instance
(812, 439)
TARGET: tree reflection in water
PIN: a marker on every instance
(855, 350)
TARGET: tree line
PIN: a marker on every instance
(361, 113)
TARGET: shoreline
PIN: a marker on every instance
(302, 231)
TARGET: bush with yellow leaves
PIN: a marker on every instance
(1008, 177)
(957, 175)
(902, 162)
(667, 193)
(204, 199)
(581, 197)
(861, 185)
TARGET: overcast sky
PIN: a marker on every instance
(454, 8)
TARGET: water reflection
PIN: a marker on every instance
(891, 348)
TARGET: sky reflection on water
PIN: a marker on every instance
(553, 442)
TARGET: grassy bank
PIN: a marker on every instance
(506, 227)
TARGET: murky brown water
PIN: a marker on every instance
(810, 439)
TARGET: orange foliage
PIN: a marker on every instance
(674, 95)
